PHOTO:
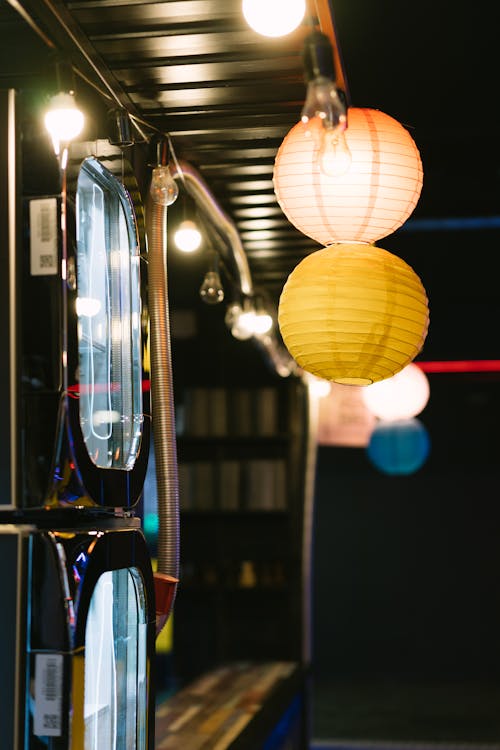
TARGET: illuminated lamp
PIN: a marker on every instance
(403, 396)
(275, 18)
(343, 418)
(371, 199)
(354, 314)
(399, 448)
(187, 237)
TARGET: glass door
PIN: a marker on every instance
(115, 684)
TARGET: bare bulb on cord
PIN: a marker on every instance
(163, 189)
(325, 116)
(211, 291)
(188, 236)
(274, 17)
(63, 120)
(324, 113)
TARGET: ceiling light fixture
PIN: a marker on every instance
(63, 119)
(274, 17)
(399, 448)
(211, 290)
(370, 200)
(324, 114)
(403, 396)
(187, 236)
(163, 189)
(352, 313)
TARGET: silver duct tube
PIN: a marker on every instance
(162, 396)
(233, 255)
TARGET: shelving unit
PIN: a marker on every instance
(241, 486)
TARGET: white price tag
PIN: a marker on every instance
(48, 694)
(43, 236)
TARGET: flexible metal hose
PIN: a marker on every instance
(162, 395)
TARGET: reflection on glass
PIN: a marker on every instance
(115, 699)
(108, 309)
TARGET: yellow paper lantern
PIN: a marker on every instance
(354, 314)
(372, 199)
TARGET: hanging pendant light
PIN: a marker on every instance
(371, 198)
(399, 448)
(403, 396)
(354, 314)
(275, 18)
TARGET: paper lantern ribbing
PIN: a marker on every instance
(399, 448)
(371, 200)
(354, 314)
(403, 396)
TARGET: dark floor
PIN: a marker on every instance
(390, 713)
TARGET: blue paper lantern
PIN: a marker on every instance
(399, 448)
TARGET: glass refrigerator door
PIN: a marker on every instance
(115, 687)
(109, 315)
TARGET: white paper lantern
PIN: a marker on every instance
(372, 199)
(403, 396)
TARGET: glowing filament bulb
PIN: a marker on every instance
(164, 189)
(64, 121)
(273, 17)
(187, 237)
(334, 156)
(211, 290)
(326, 107)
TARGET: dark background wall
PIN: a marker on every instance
(406, 580)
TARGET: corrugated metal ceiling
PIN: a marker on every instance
(227, 96)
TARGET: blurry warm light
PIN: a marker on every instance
(243, 327)
(187, 237)
(318, 387)
(343, 419)
(64, 121)
(354, 314)
(262, 323)
(403, 396)
(399, 448)
(371, 199)
(273, 17)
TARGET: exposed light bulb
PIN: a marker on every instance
(334, 156)
(262, 323)
(163, 189)
(63, 120)
(188, 236)
(324, 113)
(211, 290)
(325, 116)
(240, 320)
(243, 327)
(275, 18)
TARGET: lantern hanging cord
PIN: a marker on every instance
(322, 16)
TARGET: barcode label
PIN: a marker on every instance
(48, 693)
(43, 236)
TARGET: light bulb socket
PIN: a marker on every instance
(65, 78)
(120, 133)
(318, 57)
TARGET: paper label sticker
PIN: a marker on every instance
(48, 695)
(43, 236)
